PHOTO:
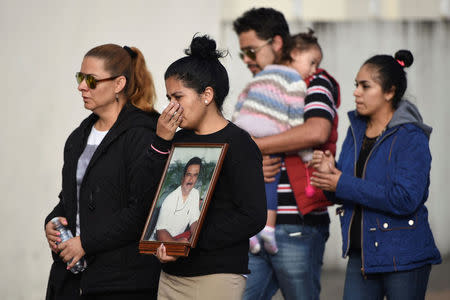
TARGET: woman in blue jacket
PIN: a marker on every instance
(381, 180)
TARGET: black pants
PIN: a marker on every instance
(64, 285)
(121, 296)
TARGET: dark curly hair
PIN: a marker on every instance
(266, 22)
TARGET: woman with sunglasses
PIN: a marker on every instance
(105, 194)
(197, 85)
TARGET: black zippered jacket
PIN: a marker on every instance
(115, 198)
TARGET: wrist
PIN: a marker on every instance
(260, 143)
(161, 144)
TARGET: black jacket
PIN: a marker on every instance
(115, 198)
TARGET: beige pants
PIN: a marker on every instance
(214, 286)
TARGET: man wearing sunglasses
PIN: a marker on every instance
(261, 39)
(296, 267)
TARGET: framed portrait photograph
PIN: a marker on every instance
(182, 198)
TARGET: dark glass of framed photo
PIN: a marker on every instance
(182, 198)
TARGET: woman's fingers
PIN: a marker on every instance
(63, 221)
(319, 179)
(66, 254)
(334, 170)
(74, 260)
(326, 181)
(320, 175)
(53, 246)
(52, 235)
(323, 185)
(169, 121)
(177, 116)
(172, 111)
(160, 252)
(166, 113)
(162, 255)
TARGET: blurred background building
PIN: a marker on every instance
(43, 43)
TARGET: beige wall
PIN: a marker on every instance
(234, 8)
(345, 10)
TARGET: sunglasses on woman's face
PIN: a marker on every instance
(91, 82)
(251, 53)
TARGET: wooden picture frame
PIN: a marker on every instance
(189, 177)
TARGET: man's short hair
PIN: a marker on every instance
(266, 22)
(193, 161)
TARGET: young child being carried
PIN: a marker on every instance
(274, 102)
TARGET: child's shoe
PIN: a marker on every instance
(255, 246)
(268, 236)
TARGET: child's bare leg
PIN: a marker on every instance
(271, 218)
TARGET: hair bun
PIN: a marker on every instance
(404, 56)
(203, 47)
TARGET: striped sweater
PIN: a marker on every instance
(272, 102)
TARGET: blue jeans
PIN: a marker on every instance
(403, 285)
(295, 269)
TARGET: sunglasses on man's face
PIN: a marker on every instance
(251, 53)
(91, 82)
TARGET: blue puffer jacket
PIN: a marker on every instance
(395, 235)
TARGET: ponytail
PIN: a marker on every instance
(140, 90)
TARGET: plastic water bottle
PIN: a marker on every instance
(66, 234)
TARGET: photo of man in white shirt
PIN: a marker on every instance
(178, 217)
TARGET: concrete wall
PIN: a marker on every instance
(42, 45)
(345, 10)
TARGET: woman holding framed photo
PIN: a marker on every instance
(197, 85)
